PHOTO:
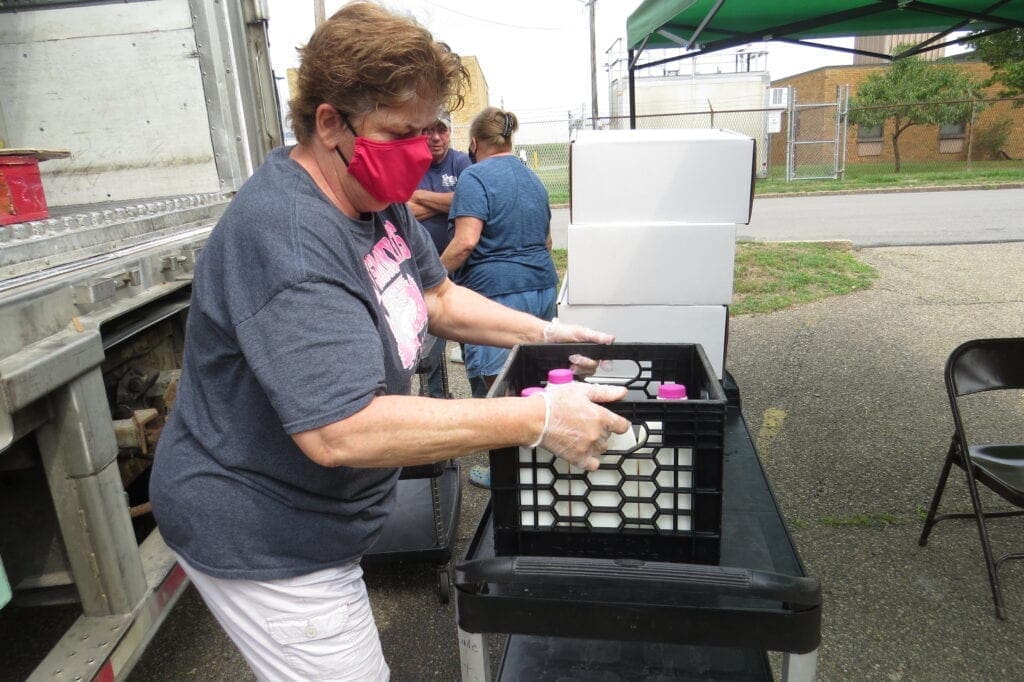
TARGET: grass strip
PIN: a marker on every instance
(772, 276)
(775, 276)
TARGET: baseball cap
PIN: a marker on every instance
(444, 116)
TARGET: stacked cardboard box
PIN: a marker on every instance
(652, 233)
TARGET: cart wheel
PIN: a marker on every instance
(444, 585)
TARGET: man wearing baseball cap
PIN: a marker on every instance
(430, 204)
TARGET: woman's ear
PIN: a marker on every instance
(330, 126)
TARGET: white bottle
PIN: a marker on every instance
(563, 485)
(534, 473)
(621, 448)
(669, 478)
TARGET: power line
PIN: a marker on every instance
(497, 23)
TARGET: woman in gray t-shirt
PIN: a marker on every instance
(311, 301)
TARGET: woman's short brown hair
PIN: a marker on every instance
(493, 127)
(363, 58)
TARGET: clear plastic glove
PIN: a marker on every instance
(558, 332)
(576, 427)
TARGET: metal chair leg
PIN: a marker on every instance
(929, 521)
(986, 545)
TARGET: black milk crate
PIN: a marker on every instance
(658, 501)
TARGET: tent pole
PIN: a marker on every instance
(632, 90)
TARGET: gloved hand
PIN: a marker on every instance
(576, 427)
(558, 332)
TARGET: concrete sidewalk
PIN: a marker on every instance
(847, 398)
(847, 395)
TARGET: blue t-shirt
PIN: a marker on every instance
(443, 177)
(512, 253)
(300, 316)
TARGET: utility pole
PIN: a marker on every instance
(593, 68)
(319, 13)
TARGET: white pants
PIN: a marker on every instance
(317, 626)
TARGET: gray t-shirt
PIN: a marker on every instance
(300, 316)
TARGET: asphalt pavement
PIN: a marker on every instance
(847, 400)
(880, 219)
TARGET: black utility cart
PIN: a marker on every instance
(595, 612)
(422, 526)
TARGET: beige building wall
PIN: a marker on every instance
(477, 98)
(886, 44)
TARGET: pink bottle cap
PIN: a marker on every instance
(560, 376)
(530, 390)
(670, 391)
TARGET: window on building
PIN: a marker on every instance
(869, 133)
(869, 140)
(949, 131)
(951, 138)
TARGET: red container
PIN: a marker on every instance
(21, 190)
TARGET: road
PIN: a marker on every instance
(897, 219)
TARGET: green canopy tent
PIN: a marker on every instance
(703, 26)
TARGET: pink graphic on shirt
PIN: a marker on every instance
(398, 294)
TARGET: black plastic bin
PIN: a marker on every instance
(660, 500)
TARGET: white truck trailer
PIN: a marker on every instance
(166, 107)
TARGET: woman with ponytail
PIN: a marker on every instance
(502, 242)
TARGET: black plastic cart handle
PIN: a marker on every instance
(471, 576)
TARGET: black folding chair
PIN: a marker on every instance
(975, 367)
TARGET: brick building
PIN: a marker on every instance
(933, 144)
(477, 99)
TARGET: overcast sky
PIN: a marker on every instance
(535, 54)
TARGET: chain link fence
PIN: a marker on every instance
(811, 140)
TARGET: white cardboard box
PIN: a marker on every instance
(664, 175)
(651, 263)
(703, 324)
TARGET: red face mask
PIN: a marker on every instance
(389, 171)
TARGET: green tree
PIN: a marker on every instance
(1004, 52)
(914, 92)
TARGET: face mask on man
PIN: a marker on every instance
(472, 153)
(388, 171)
